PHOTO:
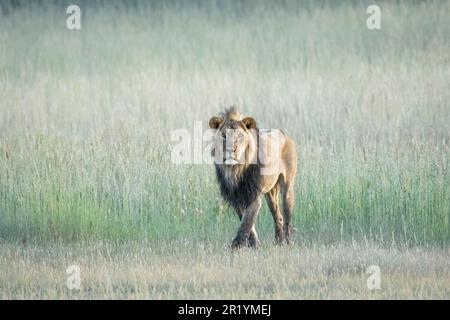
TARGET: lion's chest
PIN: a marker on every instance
(240, 192)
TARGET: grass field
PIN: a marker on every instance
(146, 270)
(85, 150)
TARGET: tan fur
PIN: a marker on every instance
(276, 154)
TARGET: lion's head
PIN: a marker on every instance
(235, 139)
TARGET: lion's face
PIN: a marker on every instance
(233, 137)
(234, 141)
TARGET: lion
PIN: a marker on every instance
(251, 164)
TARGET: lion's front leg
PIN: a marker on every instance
(247, 232)
(253, 240)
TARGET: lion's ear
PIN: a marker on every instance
(249, 123)
(215, 122)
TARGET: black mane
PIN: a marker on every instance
(246, 189)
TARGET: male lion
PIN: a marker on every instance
(255, 164)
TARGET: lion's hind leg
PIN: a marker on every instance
(272, 202)
(288, 206)
(287, 188)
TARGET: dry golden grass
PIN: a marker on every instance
(183, 270)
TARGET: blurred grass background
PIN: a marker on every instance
(86, 116)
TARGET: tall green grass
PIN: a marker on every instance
(86, 116)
